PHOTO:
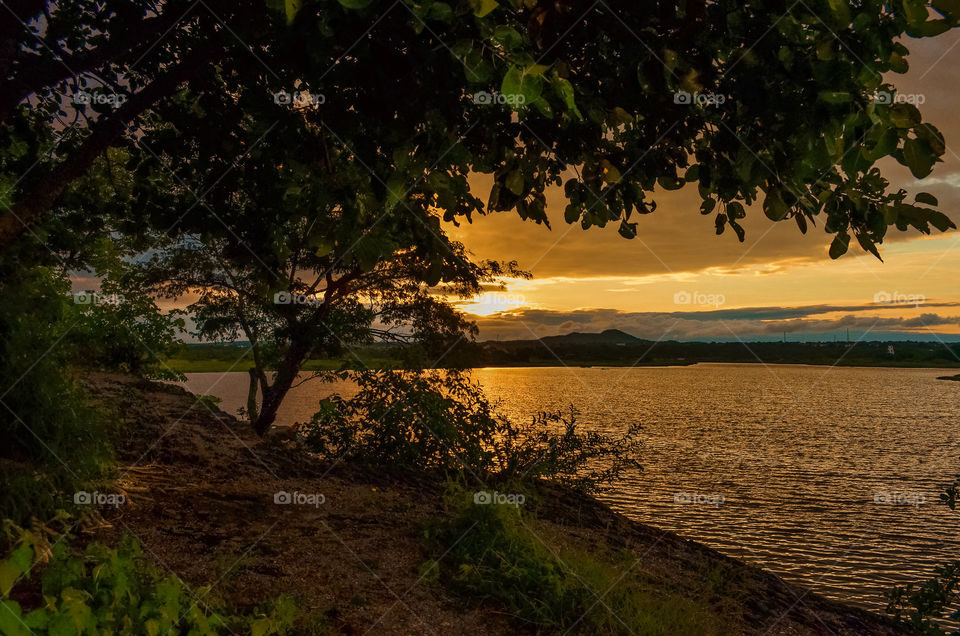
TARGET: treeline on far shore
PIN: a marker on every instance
(578, 350)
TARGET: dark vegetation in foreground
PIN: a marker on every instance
(609, 348)
(390, 549)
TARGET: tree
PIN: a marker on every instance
(298, 259)
(765, 102)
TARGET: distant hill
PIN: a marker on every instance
(610, 336)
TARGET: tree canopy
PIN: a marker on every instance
(766, 102)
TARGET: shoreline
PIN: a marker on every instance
(199, 496)
(225, 366)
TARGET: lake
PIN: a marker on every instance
(828, 476)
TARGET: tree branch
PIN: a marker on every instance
(31, 207)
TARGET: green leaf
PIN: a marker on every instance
(926, 197)
(735, 210)
(440, 11)
(947, 8)
(867, 244)
(940, 221)
(841, 10)
(477, 69)
(38, 619)
(898, 63)
(22, 557)
(627, 230)
(621, 116)
(930, 134)
(292, 7)
(610, 172)
(774, 207)
(904, 115)
(261, 626)
(930, 28)
(508, 37)
(670, 183)
(354, 4)
(738, 229)
(839, 246)
(10, 624)
(9, 573)
(515, 181)
(915, 11)
(482, 8)
(919, 157)
(835, 97)
(395, 192)
(517, 82)
(564, 89)
(571, 214)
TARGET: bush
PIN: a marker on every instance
(443, 421)
(491, 553)
(53, 442)
(122, 328)
(113, 591)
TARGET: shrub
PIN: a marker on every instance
(122, 328)
(443, 421)
(492, 553)
(52, 443)
(114, 591)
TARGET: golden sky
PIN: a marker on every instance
(678, 280)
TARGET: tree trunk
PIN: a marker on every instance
(274, 394)
(252, 396)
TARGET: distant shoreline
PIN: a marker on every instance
(611, 348)
(227, 366)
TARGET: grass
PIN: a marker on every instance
(504, 557)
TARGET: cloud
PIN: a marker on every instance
(952, 180)
(815, 323)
